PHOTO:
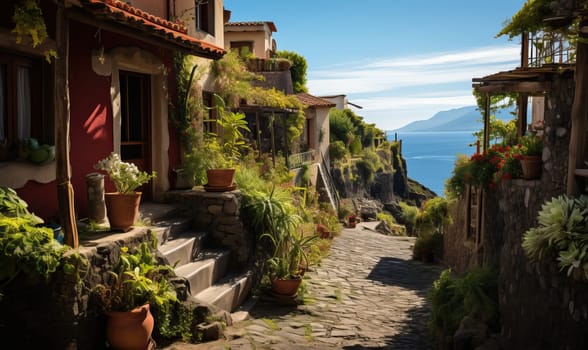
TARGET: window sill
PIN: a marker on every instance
(17, 174)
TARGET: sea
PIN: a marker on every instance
(430, 156)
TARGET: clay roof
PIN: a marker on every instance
(313, 101)
(271, 25)
(129, 16)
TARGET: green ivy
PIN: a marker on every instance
(29, 22)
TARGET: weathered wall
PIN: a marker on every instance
(540, 307)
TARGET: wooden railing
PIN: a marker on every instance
(550, 48)
(299, 159)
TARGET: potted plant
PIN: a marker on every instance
(122, 207)
(531, 149)
(273, 215)
(225, 151)
(136, 283)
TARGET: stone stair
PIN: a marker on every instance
(207, 270)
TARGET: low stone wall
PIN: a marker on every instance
(220, 215)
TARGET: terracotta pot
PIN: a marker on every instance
(286, 287)
(220, 178)
(130, 330)
(531, 166)
(122, 210)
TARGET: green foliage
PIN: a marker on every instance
(341, 126)
(436, 213)
(409, 215)
(528, 19)
(531, 145)
(136, 279)
(500, 131)
(11, 205)
(297, 70)
(355, 146)
(26, 248)
(453, 298)
(337, 150)
(187, 112)
(561, 234)
(428, 247)
(232, 139)
(232, 79)
(29, 22)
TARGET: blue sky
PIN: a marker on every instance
(402, 60)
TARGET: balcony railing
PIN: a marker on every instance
(299, 159)
(550, 48)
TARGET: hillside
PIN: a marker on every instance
(459, 119)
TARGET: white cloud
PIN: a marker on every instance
(388, 74)
(395, 91)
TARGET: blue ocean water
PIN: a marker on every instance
(430, 156)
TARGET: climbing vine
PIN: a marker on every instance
(29, 23)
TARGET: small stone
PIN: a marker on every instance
(209, 332)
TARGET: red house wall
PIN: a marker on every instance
(91, 129)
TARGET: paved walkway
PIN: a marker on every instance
(367, 294)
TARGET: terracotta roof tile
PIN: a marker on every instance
(137, 18)
(271, 25)
(313, 101)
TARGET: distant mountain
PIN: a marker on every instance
(458, 119)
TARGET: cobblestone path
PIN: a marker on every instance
(367, 294)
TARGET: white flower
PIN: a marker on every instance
(126, 176)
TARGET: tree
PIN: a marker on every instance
(298, 69)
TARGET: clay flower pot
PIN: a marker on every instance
(130, 330)
(286, 286)
(531, 166)
(220, 180)
(122, 209)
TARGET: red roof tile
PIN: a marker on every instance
(271, 25)
(313, 101)
(137, 18)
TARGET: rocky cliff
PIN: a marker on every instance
(388, 186)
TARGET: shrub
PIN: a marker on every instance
(409, 216)
(337, 150)
(453, 298)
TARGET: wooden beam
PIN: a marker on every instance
(537, 87)
(579, 115)
(65, 194)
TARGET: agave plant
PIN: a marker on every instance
(562, 232)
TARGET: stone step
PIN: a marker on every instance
(228, 293)
(182, 249)
(154, 212)
(203, 273)
(169, 227)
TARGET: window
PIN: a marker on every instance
(243, 48)
(204, 16)
(209, 124)
(21, 104)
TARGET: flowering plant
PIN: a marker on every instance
(125, 176)
(485, 169)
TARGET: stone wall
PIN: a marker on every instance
(540, 307)
(220, 215)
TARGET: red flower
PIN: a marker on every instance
(506, 176)
(491, 185)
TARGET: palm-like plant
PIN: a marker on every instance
(273, 215)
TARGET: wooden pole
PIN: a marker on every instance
(487, 123)
(65, 194)
(579, 115)
(523, 101)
